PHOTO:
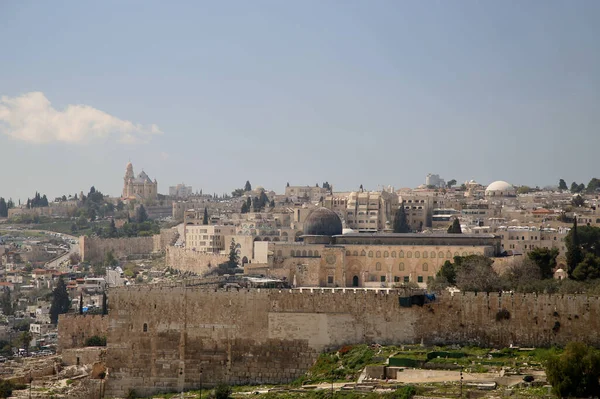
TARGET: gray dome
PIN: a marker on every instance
(322, 222)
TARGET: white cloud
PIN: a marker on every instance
(32, 118)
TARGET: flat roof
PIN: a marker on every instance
(414, 235)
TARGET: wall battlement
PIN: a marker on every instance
(159, 337)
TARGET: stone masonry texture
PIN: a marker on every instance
(172, 338)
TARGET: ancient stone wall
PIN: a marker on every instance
(94, 249)
(164, 239)
(170, 338)
(81, 356)
(187, 260)
(75, 329)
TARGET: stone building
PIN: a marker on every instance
(140, 187)
(328, 258)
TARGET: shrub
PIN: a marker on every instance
(222, 391)
(96, 341)
(502, 314)
(6, 388)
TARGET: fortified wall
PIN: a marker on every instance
(170, 338)
(187, 260)
(75, 329)
(94, 249)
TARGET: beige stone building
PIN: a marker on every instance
(207, 238)
(140, 187)
(327, 258)
(371, 211)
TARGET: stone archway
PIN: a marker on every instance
(355, 281)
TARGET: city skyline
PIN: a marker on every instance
(372, 94)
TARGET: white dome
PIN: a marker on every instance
(500, 186)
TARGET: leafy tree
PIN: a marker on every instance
(400, 221)
(523, 276)
(451, 183)
(562, 185)
(578, 201)
(574, 252)
(475, 273)
(234, 256)
(26, 339)
(81, 303)
(247, 186)
(524, 190)
(588, 269)
(575, 372)
(238, 192)
(244, 207)
(205, 218)
(3, 208)
(455, 227)
(141, 215)
(545, 260)
(60, 301)
(593, 185)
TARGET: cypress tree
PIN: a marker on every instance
(81, 303)
(247, 186)
(455, 227)
(205, 218)
(60, 301)
(400, 222)
(574, 253)
(104, 304)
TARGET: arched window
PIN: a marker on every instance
(355, 253)
(292, 253)
(386, 254)
(401, 266)
(145, 327)
(456, 254)
(449, 255)
(464, 253)
(378, 254)
(316, 253)
(393, 254)
(424, 254)
(304, 253)
(401, 254)
(425, 267)
(409, 254)
(370, 254)
(378, 266)
(417, 254)
(348, 253)
(432, 255)
(310, 253)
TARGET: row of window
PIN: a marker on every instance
(409, 254)
(299, 253)
(424, 266)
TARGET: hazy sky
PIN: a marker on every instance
(212, 93)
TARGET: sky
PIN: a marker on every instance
(378, 92)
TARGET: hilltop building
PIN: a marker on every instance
(140, 187)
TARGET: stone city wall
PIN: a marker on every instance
(94, 249)
(75, 329)
(166, 238)
(187, 260)
(81, 356)
(169, 338)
